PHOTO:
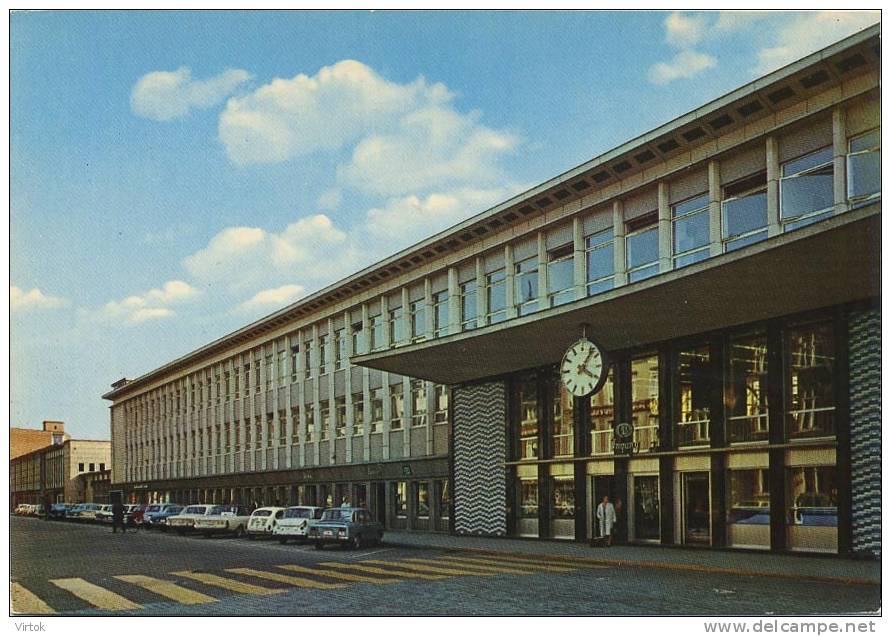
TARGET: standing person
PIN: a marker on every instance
(606, 518)
(117, 517)
(619, 526)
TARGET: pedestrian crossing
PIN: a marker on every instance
(134, 592)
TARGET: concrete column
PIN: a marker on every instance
(385, 425)
(407, 413)
(301, 417)
(315, 360)
(839, 160)
(619, 264)
(542, 272)
(332, 347)
(289, 416)
(385, 321)
(482, 293)
(665, 247)
(454, 302)
(772, 162)
(366, 407)
(348, 386)
(511, 300)
(579, 269)
(317, 419)
(716, 247)
(428, 309)
(431, 407)
(366, 328)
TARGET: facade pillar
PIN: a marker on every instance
(716, 246)
(619, 266)
(454, 301)
(542, 271)
(482, 293)
(839, 160)
(665, 243)
(579, 273)
(772, 162)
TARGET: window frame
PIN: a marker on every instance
(559, 257)
(794, 222)
(700, 252)
(860, 199)
(647, 223)
(592, 247)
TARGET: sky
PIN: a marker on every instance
(177, 175)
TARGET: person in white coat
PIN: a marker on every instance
(606, 519)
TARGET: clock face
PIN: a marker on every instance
(583, 368)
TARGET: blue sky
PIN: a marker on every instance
(175, 175)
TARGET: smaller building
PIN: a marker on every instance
(51, 473)
(25, 440)
(91, 487)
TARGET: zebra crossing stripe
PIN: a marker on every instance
(525, 566)
(552, 562)
(498, 569)
(296, 581)
(227, 584)
(430, 569)
(341, 576)
(24, 601)
(167, 589)
(95, 595)
(373, 570)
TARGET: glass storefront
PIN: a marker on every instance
(746, 393)
(602, 414)
(697, 508)
(812, 508)
(563, 507)
(646, 508)
(645, 402)
(748, 508)
(528, 410)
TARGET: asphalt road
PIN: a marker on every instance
(78, 569)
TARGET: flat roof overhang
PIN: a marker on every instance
(832, 262)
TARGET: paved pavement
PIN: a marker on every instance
(74, 569)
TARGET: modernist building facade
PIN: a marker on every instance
(728, 264)
(52, 473)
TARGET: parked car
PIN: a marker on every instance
(86, 512)
(105, 514)
(349, 527)
(156, 515)
(263, 520)
(37, 510)
(59, 511)
(224, 519)
(20, 509)
(133, 514)
(25, 509)
(185, 521)
(296, 522)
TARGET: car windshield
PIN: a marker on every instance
(194, 510)
(298, 513)
(218, 510)
(261, 513)
(153, 509)
(335, 514)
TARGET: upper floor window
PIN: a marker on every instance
(468, 305)
(397, 407)
(418, 403)
(258, 363)
(806, 189)
(295, 361)
(377, 332)
(340, 354)
(561, 268)
(526, 285)
(340, 416)
(496, 297)
(810, 360)
(310, 411)
(247, 380)
(694, 383)
(270, 371)
(418, 320)
(441, 401)
(395, 326)
(642, 247)
(377, 409)
(307, 359)
(358, 336)
(690, 230)
(746, 395)
(236, 378)
(865, 166)
(440, 314)
(283, 367)
(645, 402)
(358, 414)
(324, 420)
(295, 426)
(323, 354)
(599, 261)
(744, 211)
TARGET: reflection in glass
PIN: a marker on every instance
(602, 410)
(563, 499)
(528, 498)
(810, 352)
(806, 189)
(865, 166)
(562, 422)
(746, 393)
(645, 402)
(642, 253)
(528, 412)
(599, 262)
(694, 382)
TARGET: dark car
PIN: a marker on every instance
(155, 515)
(59, 511)
(349, 527)
(133, 514)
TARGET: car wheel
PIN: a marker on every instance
(239, 532)
(250, 537)
(356, 543)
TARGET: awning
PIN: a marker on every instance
(831, 262)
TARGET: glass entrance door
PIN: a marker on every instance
(646, 508)
(697, 508)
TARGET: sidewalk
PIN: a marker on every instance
(789, 566)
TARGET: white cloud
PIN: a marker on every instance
(20, 300)
(684, 65)
(730, 21)
(685, 31)
(148, 313)
(273, 298)
(149, 305)
(166, 95)
(803, 34)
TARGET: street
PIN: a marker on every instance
(78, 569)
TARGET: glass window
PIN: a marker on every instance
(528, 413)
(806, 189)
(645, 402)
(295, 361)
(560, 276)
(744, 212)
(599, 261)
(340, 416)
(440, 314)
(562, 421)
(810, 358)
(642, 252)
(496, 296)
(419, 403)
(307, 358)
(690, 230)
(444, 498)
(270, 432)
(270, 375)
(422, 499)
(358, 414)
(397, 407)
(468, 306)
(358, 337)
(812, 514)
(418, 321)
(865, 166)
(377, 332)
(295, 426)
(340, 354)
(694, 382)
(324, 340)
(748, 510)
(528, 490)
(526, 285)
(282, 428)
(282, 368)
(746, 394)
(441, 396)
(563, 498)
(377, 409)
(400, 499)
(395, 322)
(310, 421)
(602, 413)
(324, 420)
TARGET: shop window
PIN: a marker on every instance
(563, 498)
(694, 382)
(358, 414)
(310, 422)
(496, 297)
(746, 394)
(562, 421)
(422, 499)
(324, 341)
(647, 522)
(602, 413)
(358, 336)
(528, 414)
(812, 516)
(340, 416)
(397, 407)
(418, 403)
(526, 285)
(441, 397)
(642, 248)
(865, 166)
(806, 194)
(444, 499)
(468, 306)
(377, 332)
(418, 321)
(599, 262)
(377, 409)
(748, 508)
(645, 402)
(528, 490)
(690, 230)
(744, 212)
(561, 270)
(400, 500)
(810, 359)
(440, 314)
(395, 326)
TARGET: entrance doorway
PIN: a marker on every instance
(697, 508)
(646, 508)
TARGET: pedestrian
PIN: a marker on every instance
(606, 518)
(117, 517)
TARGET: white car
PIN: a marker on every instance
(105, 514)
(88, 512)
(185, 521)
(263, 521)
(296, 522)
(224, 519)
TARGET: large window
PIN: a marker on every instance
(444, 498)
(324, 420)
(645, 402)
(528, 490)
(560, 276)
(806, 189)
(642, 248)
(397, 406)
(562, 421)
(812, 513)
(602, 413)
(441, 399)
(526, 285)
(310, 422)
(377, 332)
(468, 305)
(418, 403)
(496, 297)
(563, 498)
(599, 261)
(865, 166)
(528, 414)
(295, 427)
(810, 360)
(295, 363)
(746, 395)
(441, 314)
(422, 499)
(690, 230)
(418, 321)
(377, 409)
(358, 336)
(270, 375)
(324, 340)
(400, 499)
(358, 414)
(307, 359)
(694, 382)
(744, 211)
(748, 508)
(395, 326)
(340, 353)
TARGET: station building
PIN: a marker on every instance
(727, 262)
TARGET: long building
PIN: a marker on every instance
(726, 264)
